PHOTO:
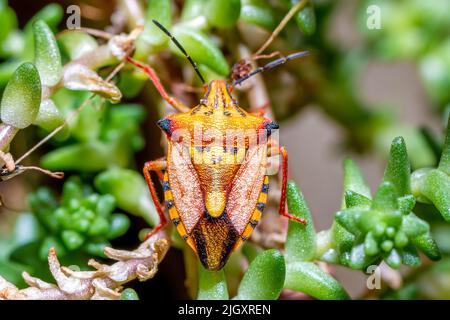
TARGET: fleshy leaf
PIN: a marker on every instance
(393, 259)
(348, 219)
(264, 278)
(22, 97)
(428, 246)
(385, 197)
(398, 169)
(46, 54)
(76, 44)
(301, 239)
(406, 204)
(223, 13)
(130, 190)
(200, 48)
(258, 12)
(410, 257)
(50, 118)
(354, 199)
(152, 38)
(436, 188)
(444, 163)
(306, 18)
(129, 294)
(371, 245)
(414, 226)
(358, 257)
(354, 180)
(87, 157)
(308, 278)
(212, 285)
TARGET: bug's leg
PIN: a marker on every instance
(156, 166)
(282, 211)
(177, 104)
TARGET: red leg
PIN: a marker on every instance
(158, 85)
(157, 166)
(282, 210)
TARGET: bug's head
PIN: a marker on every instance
(218, 96)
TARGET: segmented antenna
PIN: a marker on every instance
(175, 41)
(271, 65)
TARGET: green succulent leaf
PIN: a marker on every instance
(22, 97)
(130, 191)
(72, 239)
(385, 199)
(406, 204)
(428, 246)
(342, 238)
(354, 199)
(119, 224)
(358, 258)
(129, 294)
(51, 14)
(192, 9)
(9, 20)
(105, 205)
(393, 259)
(308, 278)
(46, 54)
(200, 48)
(349, 219)
(301, 239)
(444, 163)
(51, 242)
(413, 226)
(354, 180)
(96, 157)
(258, 12)
(49, 118)
(306, 18)
(223, 13)
(76, 44)
(436, 188)
(152, 39)
(264, 278)
(371, 245)
(398, 169)
(410, 257)
(211, 285)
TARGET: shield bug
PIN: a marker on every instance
(214, 176)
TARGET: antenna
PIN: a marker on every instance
(175, 41)
(271, 65)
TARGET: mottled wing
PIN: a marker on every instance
(183, 193)
(247, 197)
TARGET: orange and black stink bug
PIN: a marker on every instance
(214, 176)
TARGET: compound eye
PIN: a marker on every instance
(165, 125)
